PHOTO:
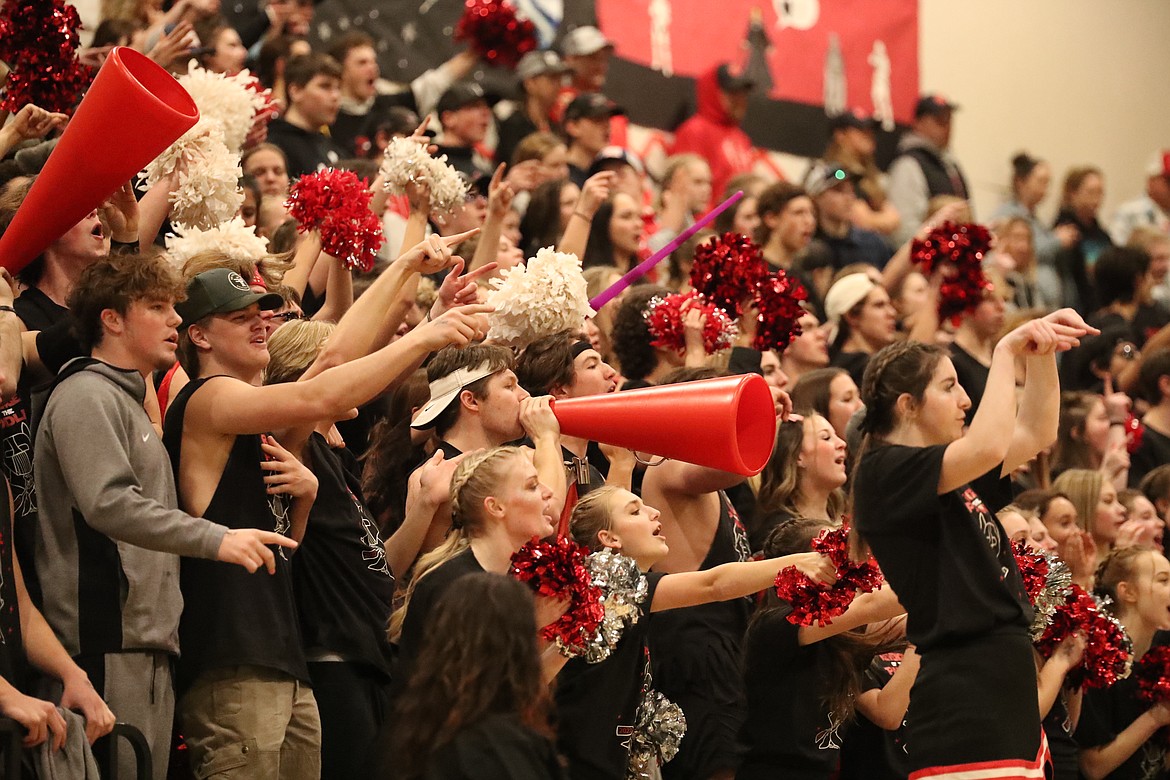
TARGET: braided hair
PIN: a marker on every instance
(1120, 565)
(474, 480)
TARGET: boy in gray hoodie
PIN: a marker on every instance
(110, 532)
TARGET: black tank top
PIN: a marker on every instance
(231, 617)
(694, 642)
(342, 582)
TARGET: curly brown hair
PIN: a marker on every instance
(115, 282)
(478, 658)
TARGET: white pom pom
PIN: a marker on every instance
(207, 191)
(226, 100)
(546, 296)
(232, 239)
(407, 161)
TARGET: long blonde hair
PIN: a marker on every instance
(1083, 489)
(474, 480)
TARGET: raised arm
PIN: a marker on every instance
(989, 439)
(233, 408)
(593, 194)
(304, 261)
(500, 195)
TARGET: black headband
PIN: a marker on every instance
(579, 347)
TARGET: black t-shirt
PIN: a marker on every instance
(789, 731)
(597, 703)
(342, 583)
(853, 362)
(426, 595)
(231, 617)
(306, 151)
(499, 747)
(1105, 713)
(1153, 452)
(347, 129)
(946, 557)
(869, 752)
(1061, 744)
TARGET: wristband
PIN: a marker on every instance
(8, 309)
(582, 216)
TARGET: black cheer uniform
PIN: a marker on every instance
(1107, 712)
(344, 590)
(950, 562)
(696, 652)
(597, 704)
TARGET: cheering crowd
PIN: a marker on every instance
(272, 507)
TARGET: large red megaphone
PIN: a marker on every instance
(728, 423)
(132, 112)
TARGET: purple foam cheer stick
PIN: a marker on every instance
(644, 267)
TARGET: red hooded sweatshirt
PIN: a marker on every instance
(714, 136)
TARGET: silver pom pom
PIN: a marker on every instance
(623, 589)
(659, 730)
(1057, 586)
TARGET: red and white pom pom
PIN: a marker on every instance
(957, 251)
(665, 318)
(495, 32)
(337, 203)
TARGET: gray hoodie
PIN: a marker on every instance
(110, 533)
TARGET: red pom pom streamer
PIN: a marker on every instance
(665, 316)
(557, 570)
(495, 32)
(1134, 430)
(728, 270)
(337, 203)
(1108, 650)
(813, 602)
(38, 40)
(271, 109)
(778, 299)
(1152, 673)
(958, 251)
(1033, 569)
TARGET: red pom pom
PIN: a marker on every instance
(1152, 673)
(495, 32)
(778, 299)
(1134, 430)
(1108, 651)
(1033, 569)
(957, 251)
(813, 602)
(558, 570)
(728, 270)
(665, 317)
(337, 203)
(38, 40)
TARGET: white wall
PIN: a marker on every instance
(1072, 81)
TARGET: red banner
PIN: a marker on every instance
(839, 54)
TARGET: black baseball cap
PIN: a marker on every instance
(591, 105)
(731, 82)
(855, 118)
(461, 95)
(221, 291)
(933, 105)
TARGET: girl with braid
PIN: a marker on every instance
(1117, 730)
(943, 551)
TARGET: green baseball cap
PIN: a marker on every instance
(220, 291)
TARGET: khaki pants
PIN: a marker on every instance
(251, 722)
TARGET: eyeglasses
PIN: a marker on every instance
(288, 316)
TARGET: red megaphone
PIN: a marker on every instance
(728, 423)
(132, 112)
